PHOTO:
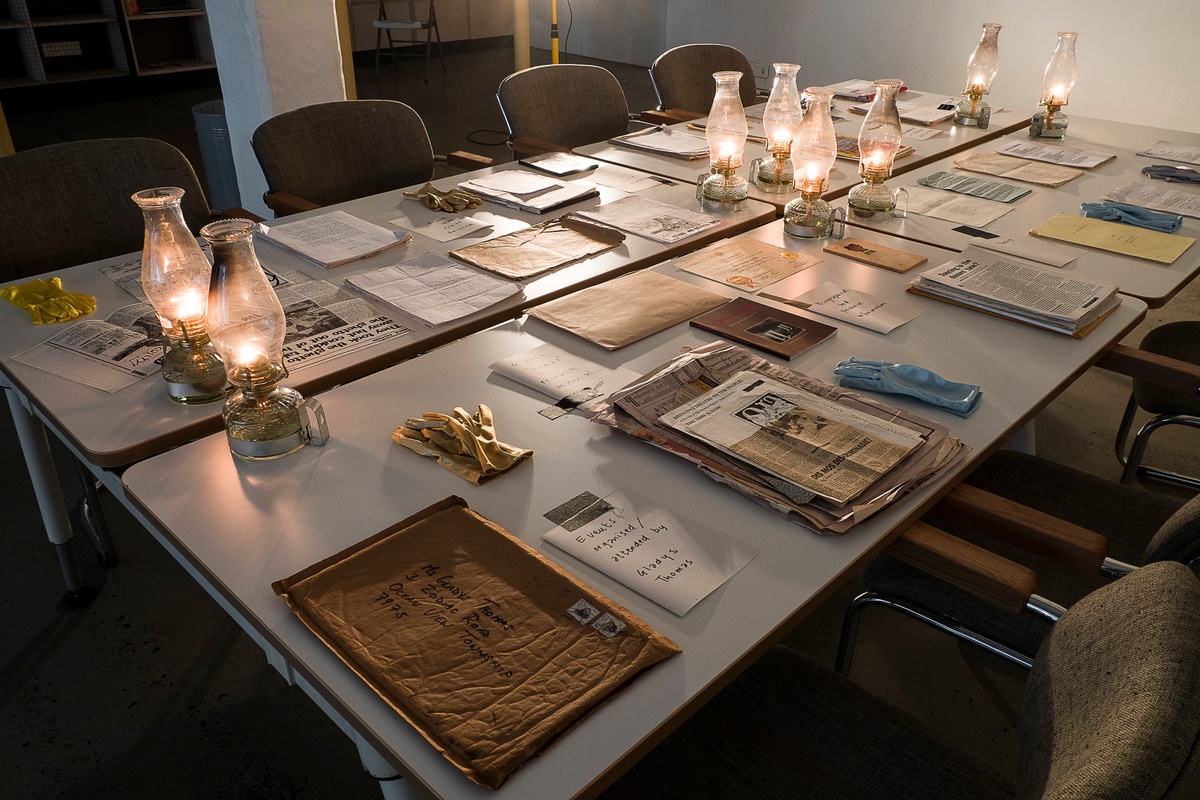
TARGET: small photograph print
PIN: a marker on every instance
(609, 625)
(584, 611)
(776, 330)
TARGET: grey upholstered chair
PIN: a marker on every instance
(683, 76)
(1112, 712)
(561, 106)
(1170, 406)
(68, 204)
(1140, 528)
(328, 153)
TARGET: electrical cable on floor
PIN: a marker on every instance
(499, 143)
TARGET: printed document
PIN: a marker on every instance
(1017, 169)
(563, 376)
(650, 218)
(816, 443)
(432, 289)
(672, 142)
(1128, 240)
(976, 187)
(744, 263)
(647, 548)
(1033, 249)
(1053, 154)
(104, 354)
(334, 238)
(324, 321)
(1189, 154)
(913, 112)
(1160, 199)
(953, 207)
(858, 308)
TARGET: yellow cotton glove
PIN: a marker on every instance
(47, 302)
(452, 200)
(465, 444)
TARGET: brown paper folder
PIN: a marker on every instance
(485, 646)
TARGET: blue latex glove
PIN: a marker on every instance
(1171, 173)
(1133, 215)
(882, 376)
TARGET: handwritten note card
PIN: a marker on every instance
(858, 308)
(646, 548)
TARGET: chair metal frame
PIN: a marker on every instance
(1131, 457)
(430, 26)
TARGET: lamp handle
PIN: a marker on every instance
(314, 429)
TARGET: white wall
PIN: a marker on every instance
(1138, 62)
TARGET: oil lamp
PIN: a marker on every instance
(175, 277)
(878, 141)
(262, 419)
(781, 119)
(725, 131)
(981, 71)
(813, 152)
(1057, 82)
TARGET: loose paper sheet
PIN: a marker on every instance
(857, 308)
(1034, 249)
(446, 227)
(325, 321)
(622, 311)
(528, 191)
(913, 112)
(918, 133)
(646, 548)
(953, 207)
(650, 218)
(1189, 154)
(1017, 169)
(334, 238)
(518, 182)
(666, 141)
(563, 376)
(976, 187)
(1053, 154)
(1159, 199)
(98, 353)
(540, 248)
(1128, 240)
(433, 289)
(745, 263)
(627, 180)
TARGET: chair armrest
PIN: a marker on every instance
(283, 203)
(994, 578)
(463, 159)
(237, 212)
(1163, 370)
(525, 146)
(1041, 534)
(668, 116)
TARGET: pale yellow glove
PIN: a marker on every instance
(452, 200)
(464, 444)
(47, 302)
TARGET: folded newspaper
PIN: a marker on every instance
(1011, 287)
(824, 456)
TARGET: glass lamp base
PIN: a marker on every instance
(812, 219)
(1043, 125)
(722, 192)
(194, 373)
(772, 176)
(978, 117)
(871, 201)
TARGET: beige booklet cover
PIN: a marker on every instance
(622, 311)
(540, 248)
(485, 646)
(1128, 240)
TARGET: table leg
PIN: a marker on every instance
(32, 435)
(393, 786)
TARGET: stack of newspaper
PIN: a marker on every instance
(820, 454)
(1017, 289)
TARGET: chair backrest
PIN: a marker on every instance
(1177, 539)
(564, 104)
(1112, 708)
(332, 152)
(683, 76)
(67, 204)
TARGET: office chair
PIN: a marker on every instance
(1074, 531)
(1170, 406)
(1111, 711)
(556, 107)
(328, 153)
(68, 204)
(429, 25)
(683, 78)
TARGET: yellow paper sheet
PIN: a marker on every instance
(1115, 237)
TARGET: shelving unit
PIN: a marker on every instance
(168, 36)
(47, 41)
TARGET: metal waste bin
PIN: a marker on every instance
(212, 131)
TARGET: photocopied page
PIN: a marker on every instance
(976, 187)
(1017, 169)
(562, 376)
(334, 238)
(1160, 199)
(745, 263)
(646, 548)
(650, 218)
(954, 207)
(1053, 154)
(1188, 154)
(855, 307)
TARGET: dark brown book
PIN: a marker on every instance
(778, 332)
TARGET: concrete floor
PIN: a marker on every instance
(153, 692)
